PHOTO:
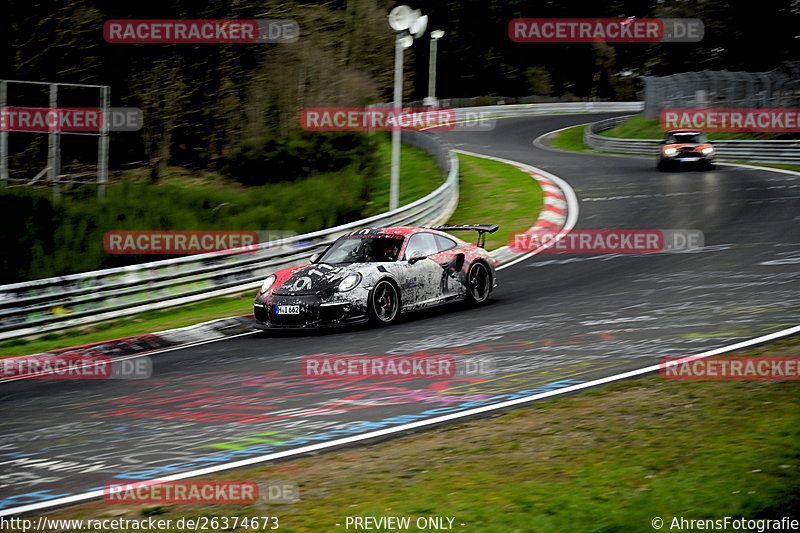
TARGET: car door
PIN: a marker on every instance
(451, 260)
(422, 278)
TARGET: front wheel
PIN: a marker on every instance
(384, 303)
(479, 283)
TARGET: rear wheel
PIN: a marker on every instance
(479, 283)
(384, 303)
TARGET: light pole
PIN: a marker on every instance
(407, 23)
(431, 98)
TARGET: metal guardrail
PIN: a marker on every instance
(543, 109)
(55, 303)
(757, 151)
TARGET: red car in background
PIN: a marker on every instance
(684, 147)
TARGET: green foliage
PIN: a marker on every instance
(51, 239)
(538, 79)
(55, 239)
(262, 161)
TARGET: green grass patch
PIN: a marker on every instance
(609, 461)
(570, 139)
(638, 127)
(492, 192)
(419, 175)
(60, 238)
(126, 326)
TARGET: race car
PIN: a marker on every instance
(685, 147)
(374, 275)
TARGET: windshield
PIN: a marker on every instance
(363, 249)
(686, 138)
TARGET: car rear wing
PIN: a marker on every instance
(482, 230)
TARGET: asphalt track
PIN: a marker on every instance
(556, 320)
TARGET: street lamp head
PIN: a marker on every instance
(419, 25)
(406, 41)
(437, 34)
(402, 17)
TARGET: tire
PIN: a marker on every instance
(479, 283)
(662, 166)
(384, 303)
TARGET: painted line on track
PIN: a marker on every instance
(406, 427)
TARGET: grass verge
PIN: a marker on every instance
(608, 460)
(492, 192)
(515, 200)
(152, 321)
(570, 139)
(419, 175)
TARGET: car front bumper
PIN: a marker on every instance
(314, 312)
(684, 160)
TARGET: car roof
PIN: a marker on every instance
(399, 230)
(684, 130)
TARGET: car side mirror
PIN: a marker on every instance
(314, 257)
(416, 256)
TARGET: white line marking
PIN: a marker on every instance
(405, 427)
(756, 167)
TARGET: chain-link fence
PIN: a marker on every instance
(779, 88)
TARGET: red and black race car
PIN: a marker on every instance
(374, 275)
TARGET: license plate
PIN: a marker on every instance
(287, 309)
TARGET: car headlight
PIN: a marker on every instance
(670, 151)
(267, 285)
(350, 282)
(708, 150)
